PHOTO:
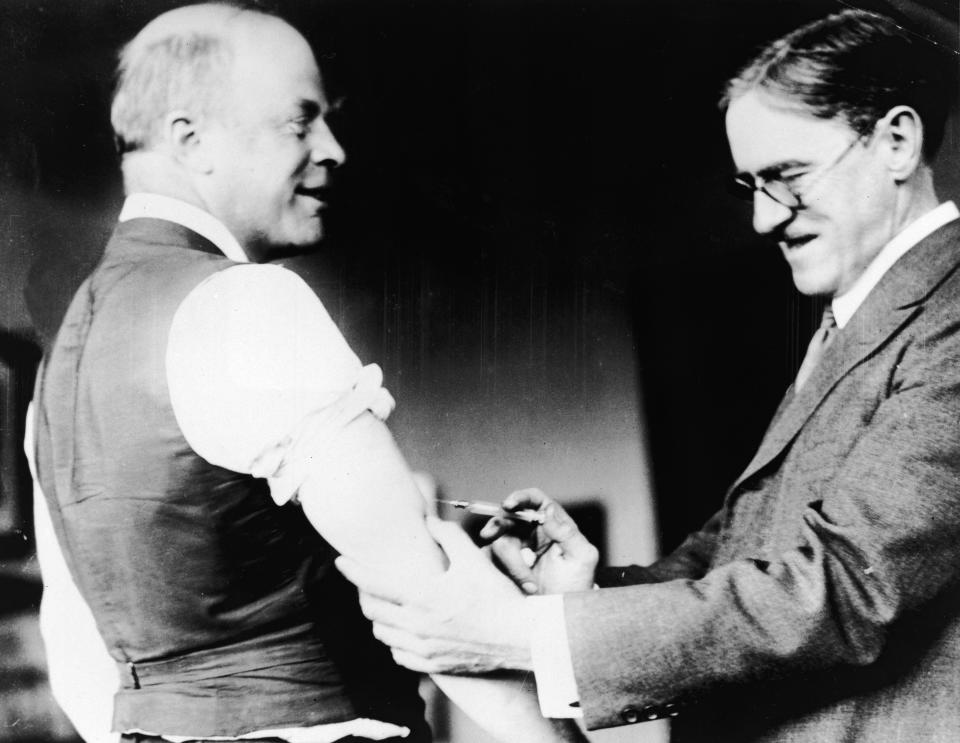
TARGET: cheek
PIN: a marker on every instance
(270, 171)
(848, 212)
(871, 194)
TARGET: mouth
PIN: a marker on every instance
(792, 243)
(320, 194)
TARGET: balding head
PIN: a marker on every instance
(224, 108)
(181, 61)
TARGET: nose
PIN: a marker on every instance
(324, 147)
(768, 214)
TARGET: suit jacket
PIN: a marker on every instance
(821, 603)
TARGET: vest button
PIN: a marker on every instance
(630, 715)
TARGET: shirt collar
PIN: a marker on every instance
(846, 304)
(186, 215)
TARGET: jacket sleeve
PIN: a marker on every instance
(690, 560)
(881, 542)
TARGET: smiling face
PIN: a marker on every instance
(846, 215)
(270, 149)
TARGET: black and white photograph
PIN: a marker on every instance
(478, 371)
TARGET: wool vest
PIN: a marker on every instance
(223, 611)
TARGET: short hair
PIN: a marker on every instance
(180, 66)
(855, 65)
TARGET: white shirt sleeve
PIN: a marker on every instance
(259, 375)
(262, 382)
(83, 676)
(552, 665)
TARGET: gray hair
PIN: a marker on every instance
(855, 66)
(179, 61)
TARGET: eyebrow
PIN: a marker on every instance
(774, 171)
(309, 108)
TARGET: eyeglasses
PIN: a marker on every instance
(790, 191)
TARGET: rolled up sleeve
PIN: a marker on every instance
(260, 377)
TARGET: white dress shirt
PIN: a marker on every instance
(259, 377)
(550, 650)
(847, 303)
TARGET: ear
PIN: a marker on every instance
(182, 133)
(900, 133)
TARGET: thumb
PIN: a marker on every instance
(560, 528)
(453, 540)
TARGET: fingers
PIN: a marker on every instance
(560, 528)
(512, 558)
(531, 498)
(495, 528)
(499, 526)
(377, 610)
(413, 661)
(370, 581)
(422, 654)
(399, 639)
(519, 500)
(407, 649)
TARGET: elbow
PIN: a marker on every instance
(859, 593)
(865, 614)
(834, 614)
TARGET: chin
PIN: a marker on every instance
(308, 232)
(812, 284)
(312, 240)
(303, 237)
(301, 244)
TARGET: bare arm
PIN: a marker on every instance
(362, 500)
(252, 352)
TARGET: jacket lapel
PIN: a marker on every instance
(892, 304)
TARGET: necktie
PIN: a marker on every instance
(818, 344)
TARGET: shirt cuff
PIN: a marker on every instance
(550, 653)
(287, 464)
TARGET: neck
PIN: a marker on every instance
(154, 172)
(914, 198)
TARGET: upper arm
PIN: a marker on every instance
(690, 560)
(251, 351)
(360, 496)
(890, 521)
(262, 382)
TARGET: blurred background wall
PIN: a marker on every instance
(532, 237)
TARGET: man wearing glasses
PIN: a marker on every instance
(822, 601)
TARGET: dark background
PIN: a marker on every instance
(533, 210)
(513, 166)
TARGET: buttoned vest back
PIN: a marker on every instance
(223, 611)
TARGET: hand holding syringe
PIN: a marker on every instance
(485, 508)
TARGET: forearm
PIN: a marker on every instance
(506, 706)
(650, 647)
(866, 558)
(376, 492)
(690, 560)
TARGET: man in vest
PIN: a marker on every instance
(205, 440)
(822, 602)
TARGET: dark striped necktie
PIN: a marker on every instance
(818, 345)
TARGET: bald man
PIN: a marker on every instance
(205, 442)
